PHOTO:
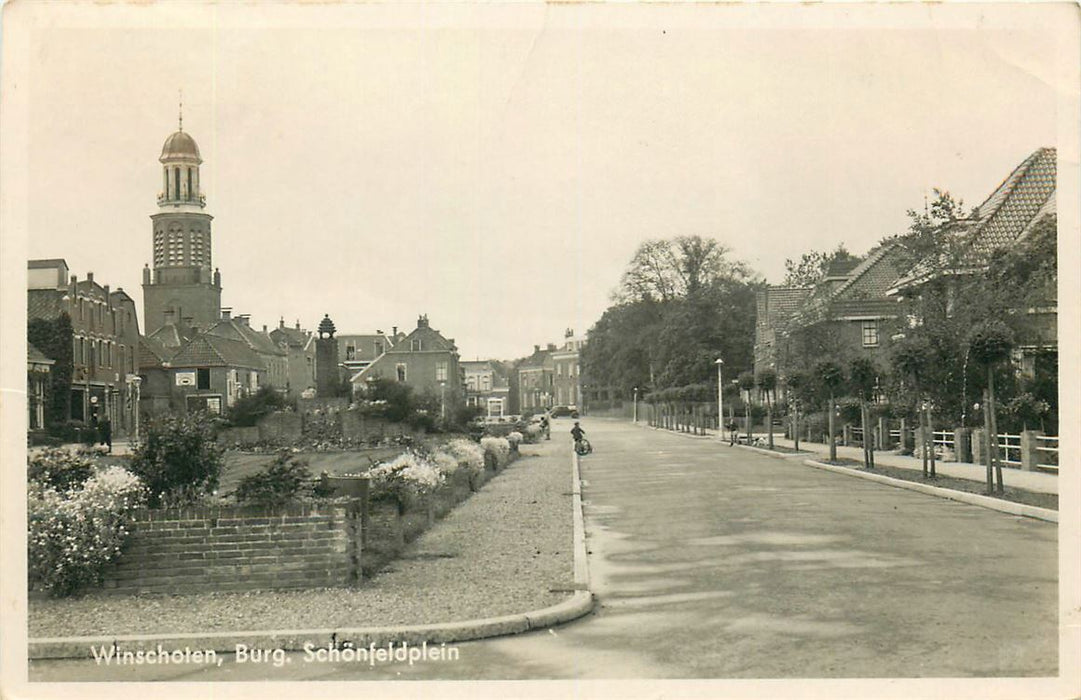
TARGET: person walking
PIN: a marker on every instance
(105, 427)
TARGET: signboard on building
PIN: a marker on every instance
(185, 377)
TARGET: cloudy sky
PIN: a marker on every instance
(496, 167)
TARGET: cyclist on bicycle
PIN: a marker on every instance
(581, 445)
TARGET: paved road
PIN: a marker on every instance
(711, 562)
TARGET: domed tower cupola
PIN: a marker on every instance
(180, 162)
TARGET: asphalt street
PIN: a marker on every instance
(712, 562)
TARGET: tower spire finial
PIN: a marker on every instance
(181, 117)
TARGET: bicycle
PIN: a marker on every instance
(582, 446)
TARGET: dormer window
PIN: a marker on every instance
(416, 345)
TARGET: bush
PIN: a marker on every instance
(251, 409)
(179, 460)
(469, 455)
(278, 483)
(59, 469)
(404, 480)
(496, 451)
(514, 439)
(73, 536)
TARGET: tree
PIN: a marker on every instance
(863, 378)
(767, 384)
(800, 388)
(667, 269)
(746, 384)
(812, 266)
(54, 339)
(990, 343)
(830, 377)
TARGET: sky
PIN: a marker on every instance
(496, 167)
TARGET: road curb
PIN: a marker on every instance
(578, 605)
(774, 453)
(975, 499)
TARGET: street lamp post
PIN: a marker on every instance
(443, 401)
(136, 381)
(635, 404)
(720, 399)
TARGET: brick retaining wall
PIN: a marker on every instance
(192, 550)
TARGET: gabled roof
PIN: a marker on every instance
(37, 356)
(171, 336)
(779, 303)
(431, 339)
(232, 329)
(1022, 200)
(214, 351)
(152, 353)
(865, 289)
(44, 303)
(293, 337)
(1012, 207)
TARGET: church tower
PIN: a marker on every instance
(182, 289)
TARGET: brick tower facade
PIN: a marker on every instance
(182, 288)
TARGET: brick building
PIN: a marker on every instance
(104, 339)
(566, 371)
(423, 359)
(536, 380)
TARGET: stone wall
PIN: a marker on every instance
(192, 550)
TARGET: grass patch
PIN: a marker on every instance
(1013, 495)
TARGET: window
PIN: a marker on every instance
(870, 334)
(400, 369)
(190, 196)
(378, 348)
(202, 379)
(176, 182)
(416, 345)
(350, 351)
(441, 371)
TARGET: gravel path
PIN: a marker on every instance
(507, 549)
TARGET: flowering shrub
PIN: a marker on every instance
(179, 460)
(74, 535)
(446, 464)
(404, 479)
(469, 455)
(514, 439)
(496, 450)
(59, 469)
(533, 433)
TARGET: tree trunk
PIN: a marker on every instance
(832, 438)
(990, 442)
(931, 434)
(994, 427)
(747, 417)
(769, 420)
(865, 441)
(795, 423)
(922, 416)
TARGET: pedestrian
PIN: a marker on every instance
(546, 428)
(105, 427)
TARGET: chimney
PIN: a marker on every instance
(569, 333)
(281, 322)
(226, 313)
(551, 347)
(244, 320)
(74, 286)
(106, 292)
(90, 277)
(264, 328)
(146, 275)
(536, 349)
(298, 324)
(393, 329)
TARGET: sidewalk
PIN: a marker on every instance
(465, 578)
(1040, 482)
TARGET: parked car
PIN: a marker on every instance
(560, 411)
